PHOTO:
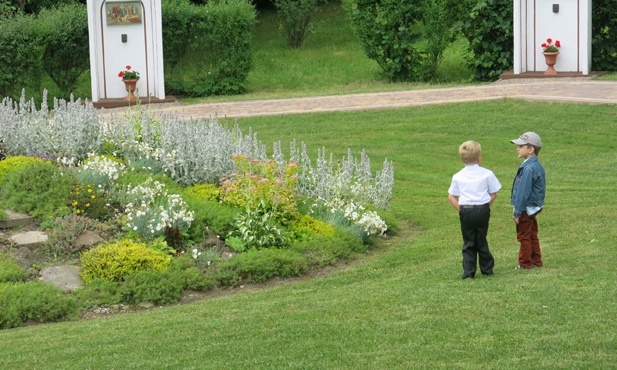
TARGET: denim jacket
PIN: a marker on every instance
(529, 187)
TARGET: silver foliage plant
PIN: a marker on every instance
(70, 130)
(350, 178)
(189, 150)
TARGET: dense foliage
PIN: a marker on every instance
(489, 30)
(387, 31)
(67, 48)
(21, 54)
(207, 49)
(604, 35)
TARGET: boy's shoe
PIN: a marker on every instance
(519, 267)
(468, 276)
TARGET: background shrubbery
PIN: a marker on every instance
(209, 47)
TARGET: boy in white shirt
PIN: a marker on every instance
(472, 191)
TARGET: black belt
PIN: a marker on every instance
(471, 206)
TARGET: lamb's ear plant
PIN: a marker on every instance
(71, 130)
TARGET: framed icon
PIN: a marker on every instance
(123, 12)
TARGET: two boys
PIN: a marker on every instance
(474, 189)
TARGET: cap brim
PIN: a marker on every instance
(518, 142)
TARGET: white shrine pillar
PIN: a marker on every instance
(568, 21)
(125, 33)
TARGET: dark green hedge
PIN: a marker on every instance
(20, 55)
(489, 30)
(604, 39)
(207, 49)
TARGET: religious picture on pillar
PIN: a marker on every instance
(123, 12)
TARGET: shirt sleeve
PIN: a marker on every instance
(454, 190)
(493, 184)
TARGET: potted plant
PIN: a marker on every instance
(550, 52)
(130, 78)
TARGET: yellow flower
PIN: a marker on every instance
(74, 203)
(78, 211)
(89, 190)
(92, 196)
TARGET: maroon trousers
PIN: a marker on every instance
(529, 254)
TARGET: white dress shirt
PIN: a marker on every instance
(473, 184)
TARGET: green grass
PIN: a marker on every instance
(404, 306)
(610, 76)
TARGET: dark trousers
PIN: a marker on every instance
(474, 227)
(529, 254)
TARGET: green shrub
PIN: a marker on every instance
(386, 29)
(210, 216)
(489, 30)
(67, 49)
(39, 189)
(98, 293)
(306, 224)
(34, 301)
(328, 250)
(156, 287)
(12, 163)
(203, 191)
(208, 49)
(261, 265)
(441, 21)
(10, 271)
(295, 17)
(198, 280)
(21, 53)
(604, 35)
(116, 261)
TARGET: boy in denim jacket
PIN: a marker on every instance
(528, 191)
(472, 191)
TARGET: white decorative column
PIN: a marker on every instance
(125, 33)
(568, 21)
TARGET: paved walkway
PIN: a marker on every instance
(580, 90)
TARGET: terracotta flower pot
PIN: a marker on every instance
(130, 86)
(551, 59)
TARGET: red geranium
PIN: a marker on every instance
(129, 74)
(548, 47)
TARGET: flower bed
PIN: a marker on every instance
(208, 198)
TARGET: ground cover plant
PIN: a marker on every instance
(405, 306)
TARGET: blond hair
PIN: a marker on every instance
(470, 152)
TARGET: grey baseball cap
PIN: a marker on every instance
(530, 138)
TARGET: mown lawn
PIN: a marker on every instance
(404, 305)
